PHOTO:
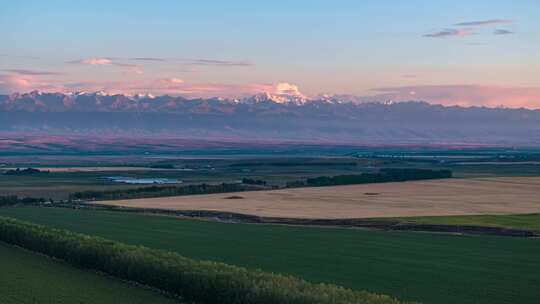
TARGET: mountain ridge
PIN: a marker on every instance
(267, 117)
(18, 101)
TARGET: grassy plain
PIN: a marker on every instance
(518, 221)
(75, 173)
(81, 175)
(30, 278)
(426, 267)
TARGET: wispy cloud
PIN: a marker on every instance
(502, 32)
(93, 61)
(19, 56)
(464, 95)
(451, 33)
(171, 86)
(125, 65)
(24, 83)
(32, 72)
(163, 86)
(215, 62)
(484, 22)
(197, 61)
(187, 70)
(148, 59)
(130, 68)
(470, 28)
(137, 70)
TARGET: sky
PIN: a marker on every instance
(449, 52)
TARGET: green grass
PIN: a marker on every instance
(431, 268)
(491, 170)
(217, 169)
(194, 280)
(30, 278)
(58, 185)
(517, 221)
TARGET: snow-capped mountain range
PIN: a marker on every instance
(39, 101)
(285, 116)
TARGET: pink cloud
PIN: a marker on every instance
(24, 83)
(287, 89)
(134, 70)
(129, 68)
(174, 81)
(173, 86)
(464, 95)
(95, 61)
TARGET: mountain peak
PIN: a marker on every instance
(281, 93)
(275, 98)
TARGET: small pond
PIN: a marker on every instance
(143, 181)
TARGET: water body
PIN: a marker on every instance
(143, 181)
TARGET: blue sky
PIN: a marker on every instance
(240, 47)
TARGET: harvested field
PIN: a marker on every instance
(498, 195)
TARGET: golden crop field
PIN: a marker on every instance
(497, 195)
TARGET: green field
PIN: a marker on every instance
(58, 185)
(27, 277)
(516, 221)
(430, 268)
(275, 168)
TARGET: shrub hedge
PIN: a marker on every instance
(192, 280)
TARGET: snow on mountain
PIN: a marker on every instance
(283, 113)
(281, 93)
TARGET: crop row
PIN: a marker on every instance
(192, 280)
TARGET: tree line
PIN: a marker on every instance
(26, 171)
(191, 280)
(158, 191)
(252, 181)
(11, 200)
(383, 176)
(295, 164)
(250, 184)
